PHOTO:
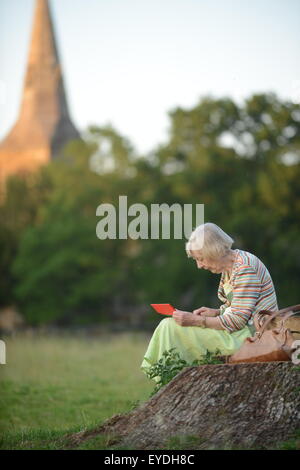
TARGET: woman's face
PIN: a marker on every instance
(214, 266)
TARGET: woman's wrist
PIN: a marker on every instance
(208, 322)
(200, 321)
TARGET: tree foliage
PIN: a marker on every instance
(241, 161)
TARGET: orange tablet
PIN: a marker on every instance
(164, 309)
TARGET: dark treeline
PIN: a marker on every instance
(242, 162)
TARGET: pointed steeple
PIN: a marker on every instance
(43, 45)
(44, 124)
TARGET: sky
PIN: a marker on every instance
(129, 62)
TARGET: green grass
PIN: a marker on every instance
(55, 385)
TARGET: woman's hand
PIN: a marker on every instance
(183, 318)
(207, 312)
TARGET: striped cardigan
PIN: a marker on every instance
(252, 290)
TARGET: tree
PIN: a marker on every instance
(220, 406)
(238, 160)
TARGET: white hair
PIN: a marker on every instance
(211, 240)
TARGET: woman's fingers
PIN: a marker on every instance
(183, 318)
(199, 311)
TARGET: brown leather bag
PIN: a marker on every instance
(268, 345)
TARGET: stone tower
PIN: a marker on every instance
(44, 124)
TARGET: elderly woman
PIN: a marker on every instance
(245, 288)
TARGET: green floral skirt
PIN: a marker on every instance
(191, 342)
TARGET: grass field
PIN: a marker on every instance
(54, 385)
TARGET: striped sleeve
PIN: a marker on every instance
(221, 295)
(246, 292)
(223, 308)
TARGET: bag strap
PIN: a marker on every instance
(290, 311)
(289, 314)
(294, 308)
(259, 319)
(270, 312)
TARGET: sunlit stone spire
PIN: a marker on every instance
(44, 124)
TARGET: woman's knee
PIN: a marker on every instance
(166, 323)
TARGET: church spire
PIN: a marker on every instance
(43, 44)
(44, 124)
(44, 94)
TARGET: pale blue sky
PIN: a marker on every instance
(128, 62)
